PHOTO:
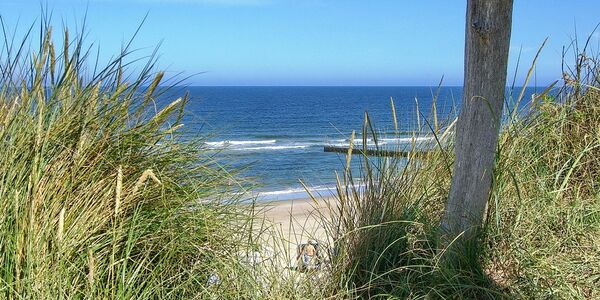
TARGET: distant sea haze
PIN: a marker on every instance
(278, 133)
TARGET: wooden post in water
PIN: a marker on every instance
(488, 27)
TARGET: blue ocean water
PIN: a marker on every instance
(277, 134)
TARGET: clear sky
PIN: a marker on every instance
(314, 42)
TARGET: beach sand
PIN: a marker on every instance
(295, 222)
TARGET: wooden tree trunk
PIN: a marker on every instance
(486, 55)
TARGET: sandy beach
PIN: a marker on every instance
(296, 221)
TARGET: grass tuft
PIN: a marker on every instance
(101, 197)
(542, 230)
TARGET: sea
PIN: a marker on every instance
(275, 136)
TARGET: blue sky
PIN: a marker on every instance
(314, 42)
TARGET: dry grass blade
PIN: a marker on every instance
(395, 119)
(527, 78)
(140, 182)
(118, 190)
(153, 86)
(61, 226)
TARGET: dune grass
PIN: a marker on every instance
(541, 235)
(100, 197)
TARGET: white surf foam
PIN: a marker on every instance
(238, 143)
(358, 145)
(297, 191)
(408, 139)
(282, 147)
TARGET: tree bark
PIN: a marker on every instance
(486, 55)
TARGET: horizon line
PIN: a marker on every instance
(442, 86)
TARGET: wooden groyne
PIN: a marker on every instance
(373, 152)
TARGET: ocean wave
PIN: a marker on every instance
(281, 147)
(238, 143)
(358, 144)
(408, 139)
(380, 141)
(300, 192)
(339, 141)
(272, 144)
(282, 192)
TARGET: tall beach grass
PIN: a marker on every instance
(100, 197)
(541, 236)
